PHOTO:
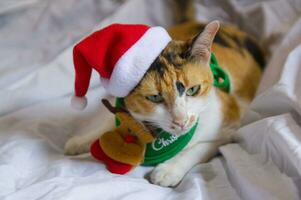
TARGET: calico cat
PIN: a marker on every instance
(177, 92)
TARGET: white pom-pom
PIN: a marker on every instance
(78, 103)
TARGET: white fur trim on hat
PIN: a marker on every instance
(78, 103)
(131, 66)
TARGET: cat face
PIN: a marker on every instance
(176, 87)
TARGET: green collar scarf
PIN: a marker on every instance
(166, 145)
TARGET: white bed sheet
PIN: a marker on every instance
(36, 84)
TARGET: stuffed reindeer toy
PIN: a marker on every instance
(123, 148)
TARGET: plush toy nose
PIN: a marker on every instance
(130, 138)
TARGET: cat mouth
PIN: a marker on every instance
(152, 128)
(155, 130)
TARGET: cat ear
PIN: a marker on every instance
(201, 45)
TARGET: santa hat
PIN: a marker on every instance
(120, 53)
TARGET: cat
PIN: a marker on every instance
(177, 91)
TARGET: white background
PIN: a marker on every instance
(36, 83)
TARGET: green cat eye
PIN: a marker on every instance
(155, 98)
(193, 90)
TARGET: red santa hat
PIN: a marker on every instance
(120, 53)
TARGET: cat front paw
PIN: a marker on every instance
(76, 145)
(166, 175)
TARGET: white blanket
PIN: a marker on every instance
(36, 83)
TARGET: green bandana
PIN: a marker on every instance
(166, 145)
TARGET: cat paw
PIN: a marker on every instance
(166, 175)
(76, 145)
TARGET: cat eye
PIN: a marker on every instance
(155, 98)
(193, 90)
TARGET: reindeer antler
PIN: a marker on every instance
(112, 109)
